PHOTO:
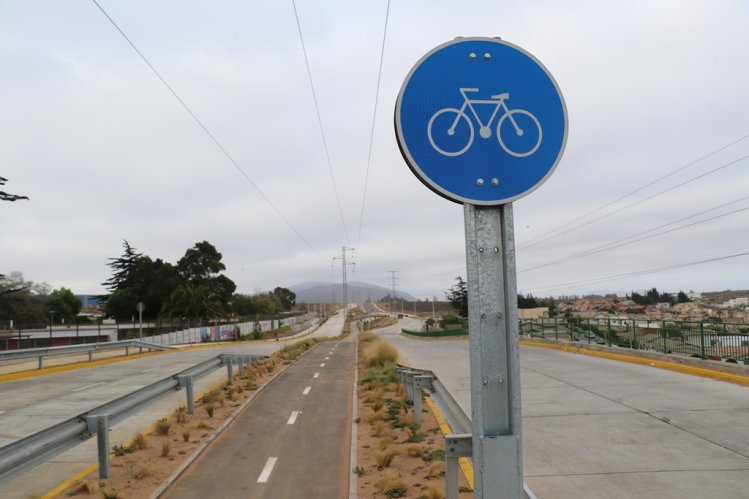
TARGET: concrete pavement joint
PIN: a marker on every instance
(640, 411)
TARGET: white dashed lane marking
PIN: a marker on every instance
(267, 470)
(307, 390)
(322, 365)
(292, 418)
(316, 375)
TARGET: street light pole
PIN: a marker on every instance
(51, 315)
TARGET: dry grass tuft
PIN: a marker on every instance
(381, 415)
(385, 457)
(89, 487)
(433, 492)
(379, 427)
(386, 442)
(138, 471)
(139, 442)
(390, 484)
(436, 468)
(415, 450)
(379, 354)
(165, 449)
(162, 426)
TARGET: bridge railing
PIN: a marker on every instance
(85, 348)
(703, 339)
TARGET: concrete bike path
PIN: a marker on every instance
(292, 442)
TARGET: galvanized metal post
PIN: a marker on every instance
(190, 395)
(702, 340)
(494, 352)
(229, 370)
(102, 442)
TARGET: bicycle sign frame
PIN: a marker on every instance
(465, 92)
(498, 101)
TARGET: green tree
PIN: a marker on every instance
(286, 297)
(527, 301)
(22, 301)
(64, 304)
(200, 266)
(682, 297)
(193, 302)
(122, 269)
(457, 295)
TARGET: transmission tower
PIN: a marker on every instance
(394, 276)
(344, 283)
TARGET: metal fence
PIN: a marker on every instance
(703, 339)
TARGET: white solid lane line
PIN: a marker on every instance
(89, 386)
(316, 375)
(307, 390)
(292, 418)
(267, 470)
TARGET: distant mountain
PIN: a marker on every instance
(358, 292)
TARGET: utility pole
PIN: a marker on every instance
(344, 283)
(394, 276)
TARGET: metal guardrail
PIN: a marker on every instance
(460, 443)
(90, 348)
(37, 448)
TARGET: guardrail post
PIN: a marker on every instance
(186, 381)
(127, 351)
(40, 362)
(456, 446)
(90, 355)
(702, 340)
(229, 370)
(99, 424)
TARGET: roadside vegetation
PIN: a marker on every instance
(396, 457)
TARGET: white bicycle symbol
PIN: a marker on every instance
(522, 121)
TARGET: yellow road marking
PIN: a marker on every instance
(464, 462)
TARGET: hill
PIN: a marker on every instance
(358, 292)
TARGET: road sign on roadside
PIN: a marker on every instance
(481, 121)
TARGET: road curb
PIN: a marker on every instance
(649, 360)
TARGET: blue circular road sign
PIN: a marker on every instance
(481, 121)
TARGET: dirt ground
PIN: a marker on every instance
(397, 461)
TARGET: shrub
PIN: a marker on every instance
(359, 471)
(180, 415)
(209, 410)
(391, 485)
(162, 426)
(139, 442)
(186, 436)
(385, 457)
(435, 455)
(165, 449)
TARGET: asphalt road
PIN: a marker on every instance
(32, 404)
(292, 442)
(597, 428)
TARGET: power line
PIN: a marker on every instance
(374, 118)
(319, 122)
(631, 205)
(619, 242)
(637, 273)
(205, 129)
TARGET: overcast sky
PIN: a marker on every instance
(106, 152)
